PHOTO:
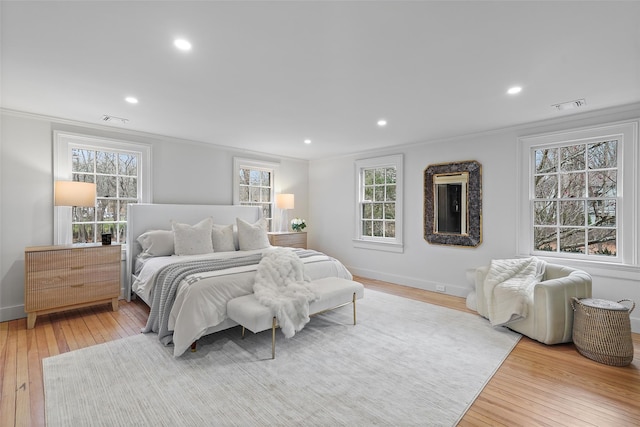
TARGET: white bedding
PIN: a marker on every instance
(148, 268)
(200, 306)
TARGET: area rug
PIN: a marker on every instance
(406, 363)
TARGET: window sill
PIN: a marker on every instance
(596, 268)
(378, 246)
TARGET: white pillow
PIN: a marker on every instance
(193, 239)
(252, 236)
(222, 236)
(156, 243)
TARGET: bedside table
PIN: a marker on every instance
(291, 239)
(58, 278)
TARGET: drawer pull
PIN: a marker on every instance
(78, 286)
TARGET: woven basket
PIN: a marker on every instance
(602, 330)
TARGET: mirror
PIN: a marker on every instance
(453, 204)
(450, 201)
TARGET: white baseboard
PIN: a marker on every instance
(427, 285)
(451, 289)
(12, 313)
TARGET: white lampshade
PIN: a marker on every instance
(75, 193)
(285, 201)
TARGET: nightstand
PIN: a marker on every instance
(66, 277)
(291, 239)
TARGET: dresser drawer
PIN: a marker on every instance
(71, 294)
(71, 258)
(71, 276)
(292, 240)
(96, 256)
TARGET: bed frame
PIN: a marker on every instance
(143, 217)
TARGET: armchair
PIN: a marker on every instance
(550, 318)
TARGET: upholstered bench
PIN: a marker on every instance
(332, 292)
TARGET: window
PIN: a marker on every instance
(378, 213)
(116, 177)
(253, 185)
(379, 206)
(581, 194)
(120, 171)
(575, 195)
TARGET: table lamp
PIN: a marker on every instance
(74, 194)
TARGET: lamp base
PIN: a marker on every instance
(284, 221)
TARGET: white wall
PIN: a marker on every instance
(27, 204)
(191, 172)
(183, 172)
(332, 210)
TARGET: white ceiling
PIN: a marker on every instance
(265, 75)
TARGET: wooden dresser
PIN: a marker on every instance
(61, 278)
(291, 239)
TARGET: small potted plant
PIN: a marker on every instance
(298, 224)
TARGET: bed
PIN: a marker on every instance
(188, 292)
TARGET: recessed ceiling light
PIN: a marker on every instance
(182, 44)
(514, 90)
(382, 122)
(307, 141)
(131, 100)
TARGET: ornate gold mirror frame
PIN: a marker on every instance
(453, 204)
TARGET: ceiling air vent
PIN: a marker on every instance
(570, 105)
(108, 118)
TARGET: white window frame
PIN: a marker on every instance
(628, 201)
(380, 243)
(63, 145)
(271, 167)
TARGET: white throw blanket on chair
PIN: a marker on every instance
(280, 284)
(508, 288)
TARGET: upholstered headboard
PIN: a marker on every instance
(144, 217)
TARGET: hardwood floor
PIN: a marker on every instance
(546, 385)
(537, 384)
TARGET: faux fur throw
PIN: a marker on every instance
(280, 284)
(508, 288)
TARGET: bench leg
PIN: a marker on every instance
(193, 346)
(273, 338)
(243, 332)
(354, 308)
